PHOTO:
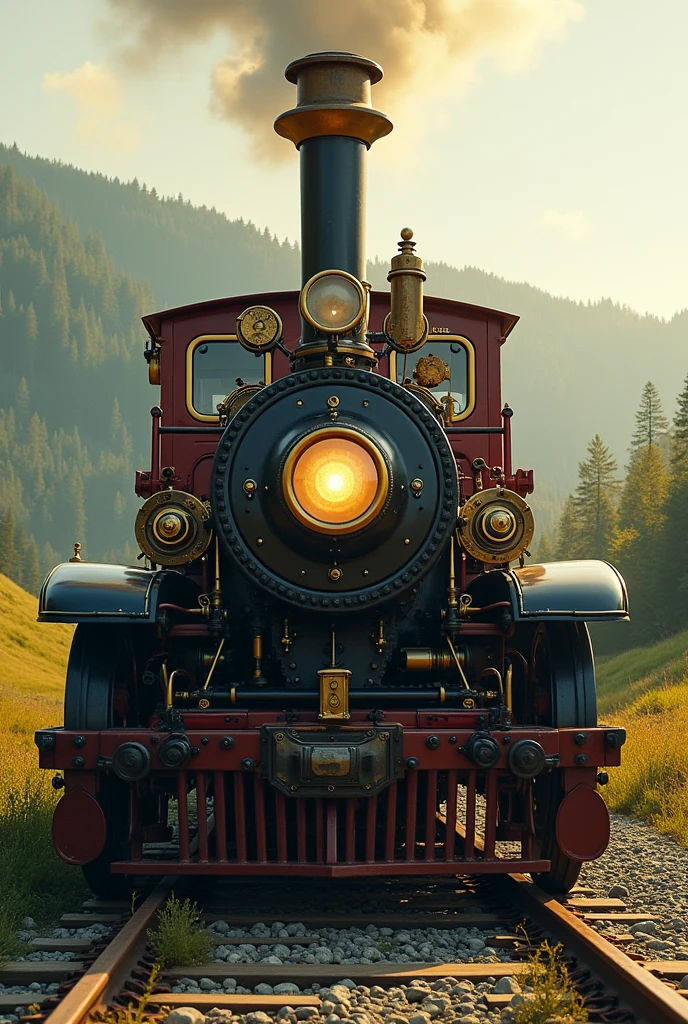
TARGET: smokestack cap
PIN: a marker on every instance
(333, 98)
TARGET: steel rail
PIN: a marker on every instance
(646, 996)
(108, 972)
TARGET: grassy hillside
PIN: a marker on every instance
(34, 654)
(33, 881)
(623, 678)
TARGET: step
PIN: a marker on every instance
(263, 940)
(86, 920)
(420, 920)
(61, 945)
(325, 974)
(109, 906)
(675, 969)
(226, 1001)
(620, 918)
(597, 904)
(23, 972)
(8, 1002)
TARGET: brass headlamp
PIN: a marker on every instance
(333, 302)
(405, 326)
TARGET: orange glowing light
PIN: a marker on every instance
(337, 483)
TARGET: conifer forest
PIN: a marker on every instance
(83, 257)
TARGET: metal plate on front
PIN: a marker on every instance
(320, 762)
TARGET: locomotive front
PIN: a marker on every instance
(329, 651)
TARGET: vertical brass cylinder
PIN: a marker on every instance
(406, 325)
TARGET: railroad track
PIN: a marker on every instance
(617, 988)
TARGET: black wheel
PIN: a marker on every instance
(101, 681)
(564, 696)
(101, 678)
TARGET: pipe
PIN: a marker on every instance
(332, 126)
(287, 697)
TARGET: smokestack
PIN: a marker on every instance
(332, 125)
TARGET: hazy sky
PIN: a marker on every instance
(546, 142)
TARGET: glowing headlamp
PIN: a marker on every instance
(333, 302)
(335, 480)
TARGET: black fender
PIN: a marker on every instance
(587, 589)
(98, 592)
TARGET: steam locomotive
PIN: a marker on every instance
(335, 659)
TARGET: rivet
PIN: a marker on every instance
(259, 540)
(249, 486)
(298, 402)
(335, 574)
(366, 403)
(365, 572)
(406, 540)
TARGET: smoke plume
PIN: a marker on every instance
(421, 44)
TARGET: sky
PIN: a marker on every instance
(554, 154)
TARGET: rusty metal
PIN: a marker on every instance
(638, 991)
(109, 971)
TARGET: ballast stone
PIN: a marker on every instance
(185, 1015)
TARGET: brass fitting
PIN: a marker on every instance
(406, 326)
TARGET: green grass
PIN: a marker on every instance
(180, 940)
(34, 882)
(622, 677)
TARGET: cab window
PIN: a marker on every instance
(215, 367)
(458, 354)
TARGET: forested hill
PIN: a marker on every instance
(74, 392)
(570, 369)
(187, 253)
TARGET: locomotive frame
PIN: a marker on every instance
(329, 665)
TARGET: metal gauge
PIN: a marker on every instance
(259, 328)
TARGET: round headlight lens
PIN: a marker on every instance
(336, 482)
(333, 302)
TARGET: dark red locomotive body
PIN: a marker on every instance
(327, 666)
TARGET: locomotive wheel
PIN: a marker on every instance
(564, 696)
(100, 673)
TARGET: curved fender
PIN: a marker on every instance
(584, 589)
(96, 591)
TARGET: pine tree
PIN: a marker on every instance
(32, 570)
(8, 551)
(650, 421)
(638, 540)
(568, 536)
(593, 501)
(674, 553)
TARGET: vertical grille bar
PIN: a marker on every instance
(259, 804)
(371, 822)
(527, 840)
(319, 823)
(183, 812)
(469, 850)
(220, 816)
(350, 831)
(134, 833)
(331, 833)
(281, 825)
(239, 817)
(391, 823)
(450, 838)
(490, 814)
(202, 815)
(411, 805)
(301, 831)
(430, 811)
